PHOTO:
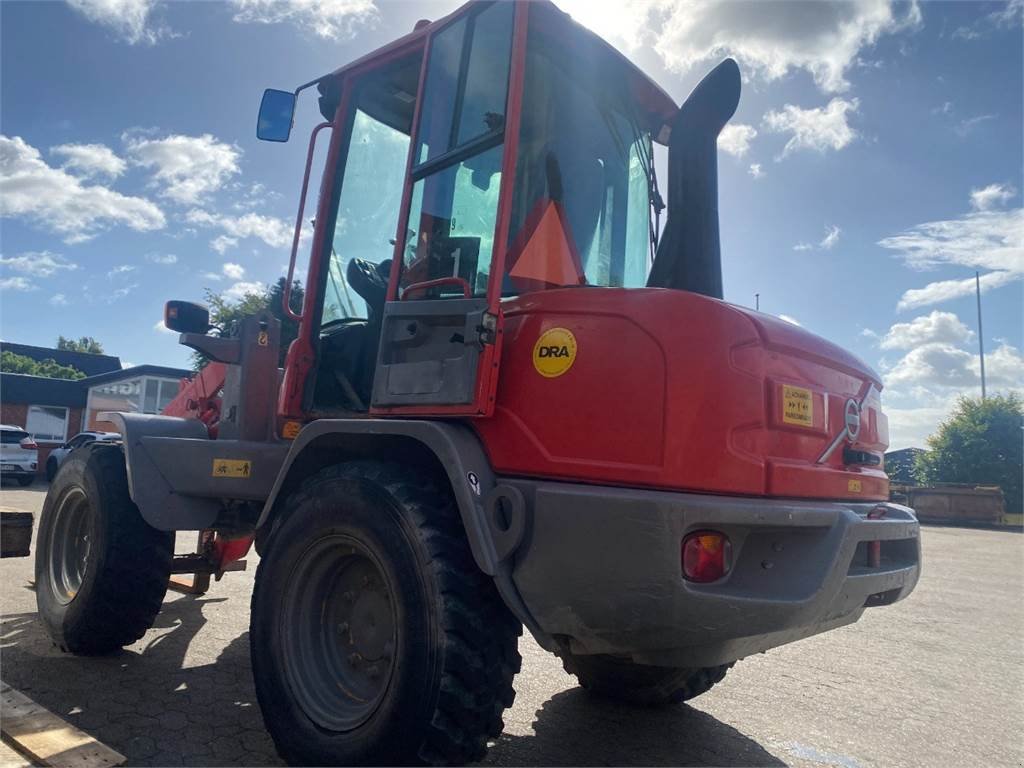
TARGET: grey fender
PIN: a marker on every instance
(157, 499)
(493, 515)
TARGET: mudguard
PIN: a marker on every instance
(493, 514)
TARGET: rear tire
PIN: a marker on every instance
(375, 638)
(101, 570)
(624, 680)
(25, 482)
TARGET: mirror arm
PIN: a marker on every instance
(286, 298)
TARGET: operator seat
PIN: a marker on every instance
(348, 353)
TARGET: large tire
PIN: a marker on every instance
(101, 570)
(624, 680)
(375, 638)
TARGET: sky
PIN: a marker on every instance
(873, 166)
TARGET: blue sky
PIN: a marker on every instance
(873, 165)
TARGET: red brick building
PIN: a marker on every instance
(55, 410)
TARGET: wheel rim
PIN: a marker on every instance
(338, 633)
(70, 545)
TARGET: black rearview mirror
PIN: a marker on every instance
(186, 317)
(277, 110)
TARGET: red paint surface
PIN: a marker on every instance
(674, 390)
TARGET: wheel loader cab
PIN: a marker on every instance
(500, 151)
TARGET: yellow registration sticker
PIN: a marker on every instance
(853, 486)
(797, 406)
(231, 468)
(291, 430)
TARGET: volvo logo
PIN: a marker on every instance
(851, 416)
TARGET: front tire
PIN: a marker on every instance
(375, 638)
(624, 680)
(25, 482)
(51, 469)
(101, 570)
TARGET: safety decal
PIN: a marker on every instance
(291, 430)
(555, 352)
(797, 406)
(231, 468)
(853, 486)
(263, 339)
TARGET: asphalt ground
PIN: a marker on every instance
(936, 680)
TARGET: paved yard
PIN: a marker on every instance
(935, 680)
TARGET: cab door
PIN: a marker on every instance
(440, 332)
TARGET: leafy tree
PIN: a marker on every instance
(86, 344)
(980, 444)
(226, 313)
(49, 368)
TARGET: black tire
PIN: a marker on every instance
(621, 679)
(101, 570)
(24, 482)
(444, 645)
(51, 470)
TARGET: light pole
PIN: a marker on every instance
(981, 336)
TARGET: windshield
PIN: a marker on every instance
(581, 210)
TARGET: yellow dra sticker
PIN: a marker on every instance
(797, 406)
(231, 468)
(853, 486)
(555, 352)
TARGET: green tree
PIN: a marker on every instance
(86, 344)
(226, 313)
(49, 368)
(981, 444)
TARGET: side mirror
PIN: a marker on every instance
(277, 111)
(186, 317)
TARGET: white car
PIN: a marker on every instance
(19, 455)
(57, 455)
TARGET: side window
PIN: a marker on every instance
(454, 205)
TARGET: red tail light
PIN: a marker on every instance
(29, 444)
(706, 555)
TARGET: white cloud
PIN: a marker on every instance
(819, 129)
(120, 269)
(16, 284)
(982, 240)
(90, 160)
(937, 327)
(222, 243)
(60, 202)
(129, 19)
(166, 259)
(161, 328)
(120, 293)
(768, 39)
(1010, 14)
(790, 320)
(239, 290)
(992, 196)
(932, 365)
(965, 127)
(831, 237)
(803, 247)
(735, 138)
(946, 290)
(332, 19)
(37, 264)
(755, 171)
(272, 231)
(233, 271)
(186, 169)
(58, 300)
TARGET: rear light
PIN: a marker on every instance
(29, 444)
(706, 555)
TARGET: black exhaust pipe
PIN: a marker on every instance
(689, 256)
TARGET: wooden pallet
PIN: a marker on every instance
(44, 739)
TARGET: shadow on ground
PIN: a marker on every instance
(575, 728)
(150, 705)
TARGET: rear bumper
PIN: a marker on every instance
(18, 469)
(600, 568)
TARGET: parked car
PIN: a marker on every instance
(57, 455)
(19, 455)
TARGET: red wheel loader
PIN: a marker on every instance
(515, 399)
